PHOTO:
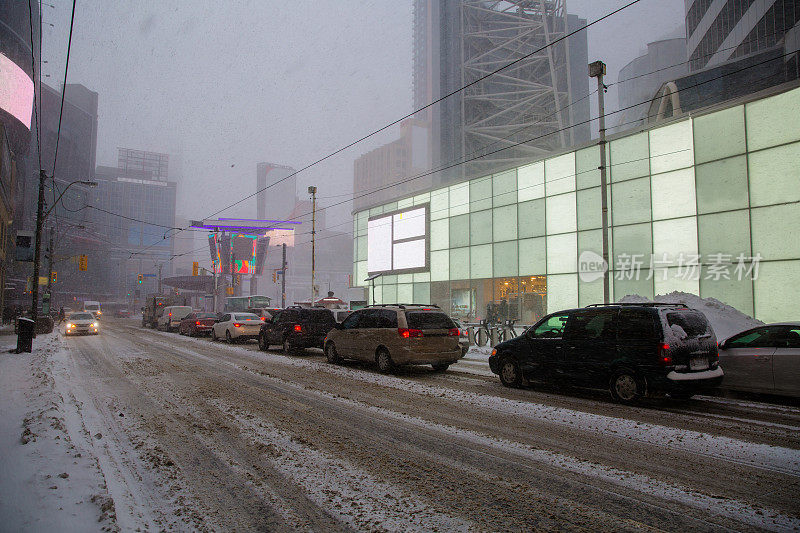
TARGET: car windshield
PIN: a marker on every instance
(206, 315)
(81, 316)
(693, 323)
(428, 320)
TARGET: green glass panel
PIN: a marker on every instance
(772, 121)
(387, 208)
(506, 262)
(775, 231)
(480, 227)
(673, 194)
(589, 209)
(562, 292)
(422, 293)
(480, 194)
(422, 277)
(561, 213)
(390, 294)
(361, 246)
(440, 234)
(423, 198)
(719, 134)
(405, 293)
(405, 278)
(774, 175)
(530, 180)
(504, 188)
(722, 185)
(667, 280)
(459, 263)
(724, 233)
(631, 201)
(630, 157)
(480, 264)
(531, 217)
(361, 273)
(504, 223)
(459, 199)
(590, 241)
(440, 265)
(636, 285)
(562, 253)
(776, 291)
(559, 174)
(587, 167)
(459, 231)
(671, 147)
(361, 222)
(632, 240)
(406, 202)
(532, 257)
(675, 237)
(440, 204)
(590, 292)
(731, 291)
(376, 211)
(376, 296)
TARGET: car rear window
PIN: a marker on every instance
(206, 315)
(693, 323)
(428, 320)
(319, 316)
(246, 316)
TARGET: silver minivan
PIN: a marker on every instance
(170, 319)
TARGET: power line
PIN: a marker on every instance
(64, 87)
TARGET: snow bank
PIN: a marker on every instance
(725, 320)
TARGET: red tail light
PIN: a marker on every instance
(198, 323)
(298, 328)
(453, 332)
(409, 333)
(663, 355)
(170, 314)
(237, 325)
(262, 318)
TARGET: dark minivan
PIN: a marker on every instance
(296, 328)
(631, 350)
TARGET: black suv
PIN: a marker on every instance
(631, 350)
(296, 328)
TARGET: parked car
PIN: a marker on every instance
(235, 327)
(392, 335)
(82, 323)
(631, 350)
(463, 336)
(297, 328)
(197, 323)
(122, 313)
(264, 312)
(341, 314)
(171, 317)
(764, 359)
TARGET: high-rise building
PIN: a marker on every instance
(721, 30)
(277, 201)
(527, 110)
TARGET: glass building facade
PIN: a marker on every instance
(707, 204)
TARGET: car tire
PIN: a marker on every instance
(213, 335)
(441, 367)
(331, 354)
(384, 361)
(510, 373)
(262, 342)
(626, 387)
(228, 337)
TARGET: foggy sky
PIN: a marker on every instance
(221, 86)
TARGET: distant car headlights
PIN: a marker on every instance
(70, 325)
(95, 325)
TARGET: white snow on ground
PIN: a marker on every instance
(347, 492)
(299, 456)
(48, 481)
(725, 320)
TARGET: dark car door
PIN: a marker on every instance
(187, 324)
(269, 329)
(639, 340)
(589, 346)
(543, 342)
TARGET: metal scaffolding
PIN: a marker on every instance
(529, 100)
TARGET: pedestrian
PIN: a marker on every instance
(60, 315)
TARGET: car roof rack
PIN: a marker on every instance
(403, 306)
(643, 304)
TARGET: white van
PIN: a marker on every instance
(171, 317)
(90, 306)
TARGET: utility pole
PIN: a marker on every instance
(37, 251)
(159, 278)
(50, 252)
(598, 70)
(313, 192)
(283, 278)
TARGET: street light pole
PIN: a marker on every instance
(313, 192)
(597, 70)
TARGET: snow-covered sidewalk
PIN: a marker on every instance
(47, 481)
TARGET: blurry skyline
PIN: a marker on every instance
(221, 87)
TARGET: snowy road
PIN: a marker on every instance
(207, 436)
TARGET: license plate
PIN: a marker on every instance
(698, 363)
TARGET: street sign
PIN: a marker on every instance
(83, 263)
(149, 275)
(229, 291)
(195, 268)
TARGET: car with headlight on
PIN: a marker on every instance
(82, 323)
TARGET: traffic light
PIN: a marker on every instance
(274, 277)
(140, 278)
(83, 263)
(54, 276)
(195, 268)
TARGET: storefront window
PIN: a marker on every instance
(533, 298)
(507, 299)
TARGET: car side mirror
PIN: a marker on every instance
(722, 345)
